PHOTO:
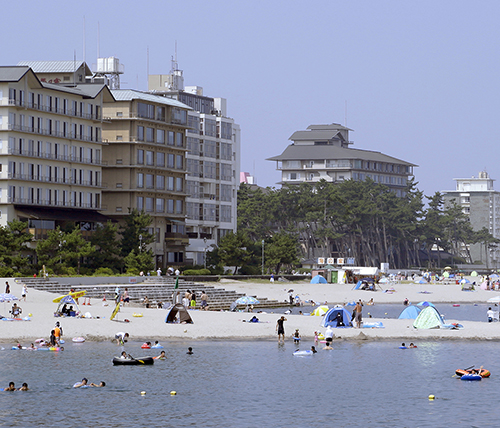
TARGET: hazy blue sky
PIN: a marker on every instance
(420, 79)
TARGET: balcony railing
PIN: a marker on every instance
(59, 180)
(65, 158)
(51, 109)
(58, 204)
(40, 131)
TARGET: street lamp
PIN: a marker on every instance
(140, 243)
(205, 253)
(262, 257)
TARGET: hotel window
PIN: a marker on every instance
(160, 182)
(170, 160)
(170, 206)
(179, 162)
(149, 205)
(150, 135)
(178, 206)
(171, 138)
(140, 133)
(150, 181)
(179, 184)
(160, 136)
(150, 158)
(160, 113)
(160, 205)
(140, 203)
(140, 157)
(160, 159)
(170, 183)
(140, 180)
(179, 139)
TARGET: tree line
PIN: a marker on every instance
(363, 220)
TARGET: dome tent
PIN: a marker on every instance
(428, 318)
(335, 316)
(318, 279)
(410, 313)
(182, 313)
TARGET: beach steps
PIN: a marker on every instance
(157, 289)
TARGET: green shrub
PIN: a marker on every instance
(6, 272)
(132, 272)
(196, 272)
(104, 271)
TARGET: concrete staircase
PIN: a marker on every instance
(157, 289)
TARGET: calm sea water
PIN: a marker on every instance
(464, 312)
(252, 384)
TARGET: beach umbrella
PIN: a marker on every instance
(425, 304)
(320, 311)
(473, 273)
(494, 276)
(495, 299)
(447, 268)
(384, 280)
(246, 300)
(5, 297)
(465, 281)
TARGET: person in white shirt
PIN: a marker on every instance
(491, 315)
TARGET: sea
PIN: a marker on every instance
(253, 384)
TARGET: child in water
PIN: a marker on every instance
(296, 337)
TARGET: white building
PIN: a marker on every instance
(481, 203)
(212, 161)
(322, 152)
(50, 147)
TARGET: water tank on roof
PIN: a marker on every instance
(108, 65)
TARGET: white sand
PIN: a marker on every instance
(227, 325)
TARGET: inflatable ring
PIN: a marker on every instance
(145, 346)
(78, 339)
(137, 315)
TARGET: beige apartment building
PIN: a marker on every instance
(50, 148)
(146, 167)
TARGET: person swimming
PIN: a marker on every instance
(24, 387)
(101, 384)
(313, 349)
(162, 356)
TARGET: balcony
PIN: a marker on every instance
(50, 109)
(65, 158)
(40, 131)
(176, 238)
(59, 180)
(59, 204)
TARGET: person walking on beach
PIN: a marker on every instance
(7, 287)
(357, 311)
(280, 328)
(58, 332)
(24, 292)
(204, 300)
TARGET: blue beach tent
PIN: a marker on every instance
(409, 313)
(336, 314)
(318, 279)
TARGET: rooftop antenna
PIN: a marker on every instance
(345, 114)
(74, 67)
(147, 67)
(84, 56)
(98, 39)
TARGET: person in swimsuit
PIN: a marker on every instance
(126, 297)
(296, 337)
(190, 351)
(11, 387)
(82, 383)
(101, 384)
(280, 328)
(24, 387)
(162, 356)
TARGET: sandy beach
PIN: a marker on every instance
(230, 325)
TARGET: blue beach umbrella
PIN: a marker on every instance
(246, 300)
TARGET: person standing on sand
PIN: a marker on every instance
(24, 292)
(7, 287)
(280, 328)
(357, 311)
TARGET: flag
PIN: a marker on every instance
(176, 283)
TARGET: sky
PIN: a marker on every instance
(414, 80)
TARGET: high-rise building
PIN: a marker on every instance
(481, 203)
(145, 167)
(322, 152)
(212, 163)
(51, 146)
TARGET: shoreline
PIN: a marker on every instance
(228, 326)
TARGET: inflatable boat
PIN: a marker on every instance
(464, 372)
(471, 377)
(133, 361)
